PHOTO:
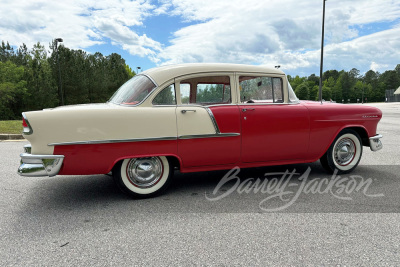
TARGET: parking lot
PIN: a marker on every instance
(85, 220)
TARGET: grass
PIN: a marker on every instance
(10, 127)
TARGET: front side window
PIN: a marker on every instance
(260, 89)
(166, 96)
(133, 91)
(206, 90)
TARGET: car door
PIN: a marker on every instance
(271, 129)
(208, 124)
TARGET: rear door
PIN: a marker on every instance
(208, 123)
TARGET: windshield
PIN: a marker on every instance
(292, 96)
(133, 91)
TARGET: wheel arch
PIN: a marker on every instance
(174, 160)
(360, 130)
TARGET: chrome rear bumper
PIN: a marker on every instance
(375, 142)
(39, 165)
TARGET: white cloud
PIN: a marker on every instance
(81, 23)
(285, 32)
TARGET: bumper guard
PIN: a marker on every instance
(375, 142)
(39, 165)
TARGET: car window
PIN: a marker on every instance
(185, 93)
(260, 89)
(133, 91)
(206, 90)
(166, 96)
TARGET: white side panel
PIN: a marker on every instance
(76, 125)
(194, 120)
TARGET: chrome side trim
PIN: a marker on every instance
(217, 131)
(29, 130)
(208, 135)
(40, 165)
(114, 141)
(375, 143)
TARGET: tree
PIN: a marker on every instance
(12, 90)
(302, 91)
(390, 79)
(330, 73)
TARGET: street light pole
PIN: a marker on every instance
(322, 53)
(59, 40)
(137, 70)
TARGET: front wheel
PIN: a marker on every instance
(143, 177)
(344, 154)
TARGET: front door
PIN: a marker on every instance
(274, 132)
(271, 130)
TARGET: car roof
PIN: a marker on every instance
(164, 73)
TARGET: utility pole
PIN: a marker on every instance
(59, 40)
(322, 53)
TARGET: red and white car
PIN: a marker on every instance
(195, 117)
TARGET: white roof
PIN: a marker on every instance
(165, 73)
(397, 92)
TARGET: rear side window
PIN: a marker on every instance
(260, 89)
(206, 90)
(166, 96)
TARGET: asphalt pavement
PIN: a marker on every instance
(302, 216)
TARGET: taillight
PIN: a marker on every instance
(27, 127)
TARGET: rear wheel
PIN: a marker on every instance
(344, 154)
(143, 177)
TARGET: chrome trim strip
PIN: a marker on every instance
(217, 131)
(375, 143)
(114, 141)
(208, 135)
(151, 79)
(30, 130)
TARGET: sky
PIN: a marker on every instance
(362, 34)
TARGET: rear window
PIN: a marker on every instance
(133, 91)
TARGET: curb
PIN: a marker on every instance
(11, 137)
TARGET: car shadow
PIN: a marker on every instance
(189, 192)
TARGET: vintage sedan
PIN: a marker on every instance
(195, 117)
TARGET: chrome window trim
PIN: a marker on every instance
(30, 131)
(151, 79)
(213, 120)
(167, 138)
(183, 137)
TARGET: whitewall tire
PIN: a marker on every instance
(345, 152)
(143, 177)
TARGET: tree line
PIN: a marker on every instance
(347, 86)
(29, 78)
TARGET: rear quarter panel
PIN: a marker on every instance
(98, 123)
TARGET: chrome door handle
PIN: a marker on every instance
(248, 109)
(187, 110)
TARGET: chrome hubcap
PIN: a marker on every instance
(344, 152)
(144, 172)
